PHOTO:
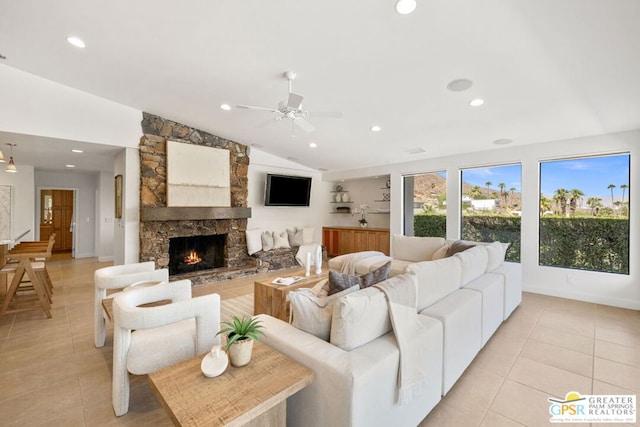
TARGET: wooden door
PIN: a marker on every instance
(62, 211)
(330, 240)
(360, 241)
(345, 242)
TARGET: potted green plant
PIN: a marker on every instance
(241, 333)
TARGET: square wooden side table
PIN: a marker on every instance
(254, 395)
(271, 299)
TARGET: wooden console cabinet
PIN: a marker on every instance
(344, 240)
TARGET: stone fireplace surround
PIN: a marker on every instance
(159, 223)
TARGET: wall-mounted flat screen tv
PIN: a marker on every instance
(283, 190)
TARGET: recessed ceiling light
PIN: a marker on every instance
(225, 107)
(313, 145)
(69, 166)
(77, 151)
(503, 141)
(375, 128)
(76, 41)
(405, 7)
(476, 102)
(459, 85)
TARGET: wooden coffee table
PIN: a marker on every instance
(271, 299)
(254, 395)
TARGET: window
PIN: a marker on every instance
(584, 213)
(491, 206)
(425, 205)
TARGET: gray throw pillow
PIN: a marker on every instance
(458, 246)
(267, 241)
(338, 282)
(378, 275)
(296, 237)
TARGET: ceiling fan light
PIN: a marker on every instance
(405, 7)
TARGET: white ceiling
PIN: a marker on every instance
(547, 69)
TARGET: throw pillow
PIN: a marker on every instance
(280, 240)
(339, 282)
(496, 254)
(312, 314)
(267, 240)
(254, 240)
(458, 246)
(295, 237)
(440, 253)
(378, 275)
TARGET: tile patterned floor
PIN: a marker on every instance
(51, 373)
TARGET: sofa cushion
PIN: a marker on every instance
(254, 240)
(281, 240)
(436, 279)
(311, 313)
(474, 263)
(458, 246)
(295, 236)
(363, 316)
(267, 240)
(440, 253)
(496, 253)
(415, 249)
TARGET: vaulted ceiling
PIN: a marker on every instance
(546, 69)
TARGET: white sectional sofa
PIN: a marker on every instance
(461, 300)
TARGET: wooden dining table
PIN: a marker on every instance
(24, 255)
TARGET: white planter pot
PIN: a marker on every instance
(240, 352)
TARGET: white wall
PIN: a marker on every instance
(86, 184)
(278, 218)
(23, 200)
(611, 289)
(105, 213)
(36, 106)
(126, 242)
(361, 191)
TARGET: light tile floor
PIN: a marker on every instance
(51, 373)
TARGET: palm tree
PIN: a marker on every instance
(624, 188)
(511, 191)
(575, 195)
(545, 204)
(503, 194)
(595, 203)
(611, 187)
(488, 184)
(561, 199)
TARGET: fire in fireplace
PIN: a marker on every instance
(195, 253)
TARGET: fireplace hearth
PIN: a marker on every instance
(196, 253)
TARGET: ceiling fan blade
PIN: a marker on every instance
(329, 114)
(251, 107)
(303, 124)
(295, 101)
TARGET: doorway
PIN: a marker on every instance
(57, 216)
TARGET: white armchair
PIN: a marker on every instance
(118, 277)
(146, 339)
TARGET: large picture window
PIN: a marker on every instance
(491, 206)
(425, 205)
(584, 213)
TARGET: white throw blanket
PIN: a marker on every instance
(410, 336)
(349, 266)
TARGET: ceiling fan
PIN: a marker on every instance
(292, 109)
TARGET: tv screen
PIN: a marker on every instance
(285, 190)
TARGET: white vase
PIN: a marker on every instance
(338, 197)
(240, 352)
(345, 197)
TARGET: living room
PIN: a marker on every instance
(41, 106)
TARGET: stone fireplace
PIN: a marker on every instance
(161, 226)
(196, 253)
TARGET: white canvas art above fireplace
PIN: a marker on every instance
(197, 175)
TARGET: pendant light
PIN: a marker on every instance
(11, 166)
